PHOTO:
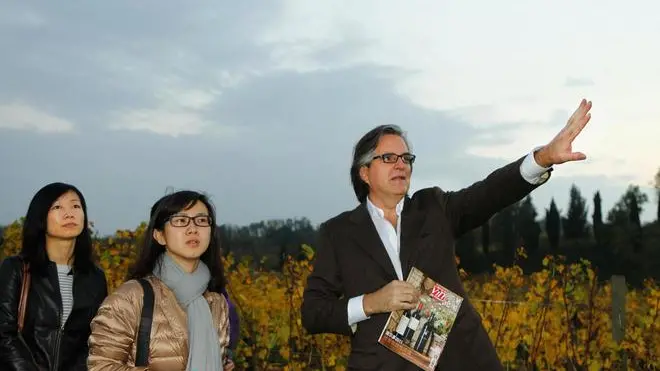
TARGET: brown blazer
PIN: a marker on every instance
(351, 260)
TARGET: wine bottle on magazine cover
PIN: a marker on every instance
(419, 335)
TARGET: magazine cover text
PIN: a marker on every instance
(420, 334)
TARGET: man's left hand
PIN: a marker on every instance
(560, 149)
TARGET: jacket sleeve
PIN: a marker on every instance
(114, 329)
(81, 363)
(325, 308)
(472, 206)
(224, 333)
(234, 323)
(104, 291)
(14, 353)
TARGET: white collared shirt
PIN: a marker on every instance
(532, 172)
(390, 237)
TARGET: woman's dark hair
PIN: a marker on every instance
(150, 250)
(35, 227)
(363, 154)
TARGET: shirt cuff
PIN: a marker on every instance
(532, 172)
(356, 312)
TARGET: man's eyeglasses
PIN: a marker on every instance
(391, 158)
(184, 220)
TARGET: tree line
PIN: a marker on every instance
(616, 242)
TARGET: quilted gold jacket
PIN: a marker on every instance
(115, 327)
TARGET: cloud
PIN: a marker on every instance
(194, 99)
(260, 103)
(293, 142)
(159, 58)
(488, 74)
(159, 121)
(19, 116)
(573, 82)
(179, 112)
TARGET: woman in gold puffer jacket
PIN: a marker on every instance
(180, 259)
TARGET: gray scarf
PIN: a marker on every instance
(204, 352)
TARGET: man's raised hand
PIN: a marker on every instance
(560, 148)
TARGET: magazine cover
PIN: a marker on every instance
(419, 335)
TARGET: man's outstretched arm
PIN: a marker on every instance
(472, 206)
(324, 308)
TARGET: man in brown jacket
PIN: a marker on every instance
(364, 255)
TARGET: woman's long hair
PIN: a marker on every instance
(35, 226)
(150, 250)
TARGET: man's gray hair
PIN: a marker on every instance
(364, 152)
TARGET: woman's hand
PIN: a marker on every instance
(229, 364)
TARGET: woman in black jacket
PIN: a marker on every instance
(65, 289)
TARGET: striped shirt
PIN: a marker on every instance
(66, 290)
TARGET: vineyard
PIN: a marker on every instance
(559, 318)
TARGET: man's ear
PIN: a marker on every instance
(363, 174)
(159, 236)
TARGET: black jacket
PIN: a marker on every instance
(351, 260)
(45, 345)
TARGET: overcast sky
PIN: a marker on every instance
(259, 103)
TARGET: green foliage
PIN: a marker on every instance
(527, 226)
(504, 232)
(552, 225)
(575, 223)
(485, 238)
(631, 203)
(598, 218)
(625, 215)
(656, 185)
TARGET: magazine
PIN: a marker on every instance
(420, 334)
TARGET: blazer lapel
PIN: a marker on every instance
(412, 236)
(368, 239)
